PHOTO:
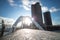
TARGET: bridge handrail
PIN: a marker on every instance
(37, 25)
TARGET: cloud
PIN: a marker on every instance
(44, 9)
(27, 3)
(7, 21)
(12, 3)
(26, 7)
(53, 9)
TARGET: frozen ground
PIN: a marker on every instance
(32, 34)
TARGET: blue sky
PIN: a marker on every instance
(15, 8)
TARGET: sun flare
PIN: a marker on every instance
(27, 21)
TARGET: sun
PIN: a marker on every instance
(27, 21)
